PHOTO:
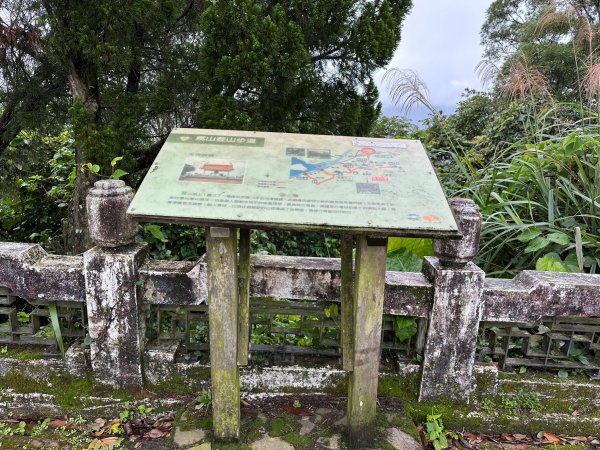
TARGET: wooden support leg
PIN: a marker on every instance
(244, 295)
(221, 252)
(347, 303)
(369, 284)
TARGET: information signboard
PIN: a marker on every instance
(295, 182)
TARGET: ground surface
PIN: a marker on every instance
(278, 422)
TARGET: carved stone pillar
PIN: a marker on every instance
(115, 321)
(450, 348)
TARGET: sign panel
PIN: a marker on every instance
(295, 182)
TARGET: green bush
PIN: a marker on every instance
(33, 207)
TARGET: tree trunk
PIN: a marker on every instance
(76, 235)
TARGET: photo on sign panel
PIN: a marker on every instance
(213, 171)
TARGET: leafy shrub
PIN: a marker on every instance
(33, 210)
(541, 206)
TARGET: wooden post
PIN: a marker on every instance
(244, 296)
(221, 255)
(369, 287)
(347, 289)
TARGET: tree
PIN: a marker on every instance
(123, 73)
(123, 65)
(295, 66)
(396, 127)
(558, 38)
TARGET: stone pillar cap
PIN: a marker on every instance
(109, 188)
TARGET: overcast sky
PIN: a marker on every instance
(440, 41)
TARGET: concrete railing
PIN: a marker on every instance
(115, 281)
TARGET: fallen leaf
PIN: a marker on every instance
(551, 438)
(296, 411)
(575, 413)
(96, 444)
(155, 433)
(57, 423)
(470, 437)
(105, 443)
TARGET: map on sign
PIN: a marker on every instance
(294, 181)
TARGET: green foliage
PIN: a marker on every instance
(294, 244)
(175, 242)
(552, 37)
(34, 206)
(393, 128)
(126, 414)
(406, 254)
(540, 204)
(521, 402)
(405, 327)
(434, 431)
(56, 327)
(299, 67)
(204, 400)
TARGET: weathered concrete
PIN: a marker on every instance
(173, 282)
(451, 342)
(114, 313)
(29, 272)
(401, 440)
(532, 295)
(452, 334)
(187, 438)
(458, 252)
(108, 222)
(269, 443)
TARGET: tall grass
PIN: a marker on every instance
(540, 201)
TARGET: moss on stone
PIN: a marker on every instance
(408, 426)
(250, 429)
(278, 427)
(188, 383)
(300, 442)
(405, 386)
(26, 353)
(69, 392)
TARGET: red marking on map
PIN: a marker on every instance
(351, 169)
(317, 181)
(432, 218)
(380, 179)
(360, 163)
(367, 151)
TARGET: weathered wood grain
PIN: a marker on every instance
(347, 288)
(369, 285)
(244, 297)
(221, 251)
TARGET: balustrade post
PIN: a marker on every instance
(449, 354)
(115, 321)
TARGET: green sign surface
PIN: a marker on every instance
(295, 182)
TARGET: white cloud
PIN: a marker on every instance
(440, 41)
